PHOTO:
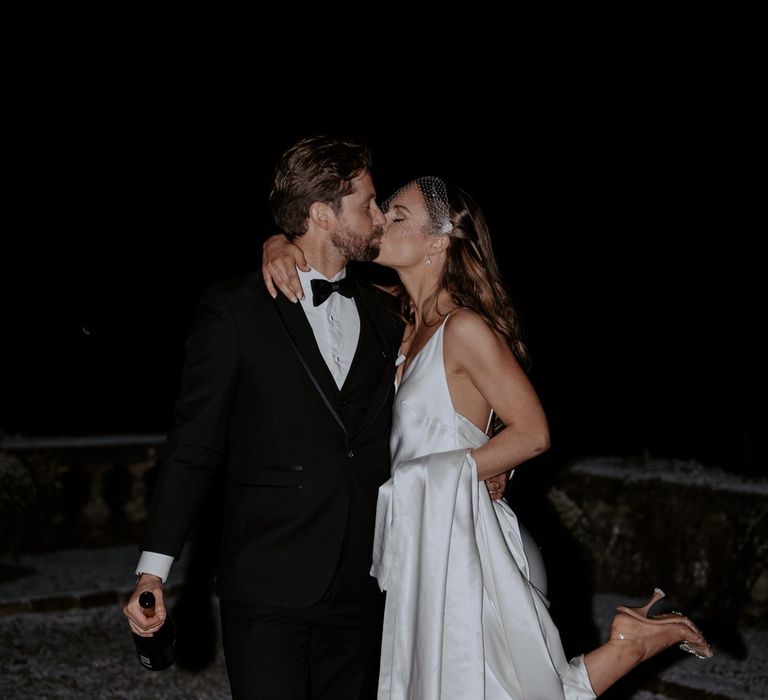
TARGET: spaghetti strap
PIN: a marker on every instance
(490, 423)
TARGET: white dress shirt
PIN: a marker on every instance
(336, 326)
(335, 323)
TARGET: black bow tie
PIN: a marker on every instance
(322, 289)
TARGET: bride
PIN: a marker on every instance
(465, 615)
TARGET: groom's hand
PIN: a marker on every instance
(139, 623)
(497, 485)
(280, 258)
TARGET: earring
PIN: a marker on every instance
(429, 259)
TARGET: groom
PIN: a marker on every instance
(291, 405)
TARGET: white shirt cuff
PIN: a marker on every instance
(155, 564)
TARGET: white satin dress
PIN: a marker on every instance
(463, 621)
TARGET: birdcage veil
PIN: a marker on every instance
(435, 195)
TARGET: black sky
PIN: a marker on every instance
(627, 230)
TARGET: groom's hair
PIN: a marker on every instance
(316, 169)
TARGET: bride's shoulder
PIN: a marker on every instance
(470, 341)
(467, 327)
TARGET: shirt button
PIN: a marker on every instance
(331, 318)
(338, 359)
(351, 454)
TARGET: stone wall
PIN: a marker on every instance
(609, 525)
(699, 533)
(71, 492)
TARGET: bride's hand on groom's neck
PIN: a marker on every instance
(280, 258)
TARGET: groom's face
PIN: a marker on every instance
(360, 222)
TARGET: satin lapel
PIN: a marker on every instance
(374, 309)
(385, 348)
(298, 329)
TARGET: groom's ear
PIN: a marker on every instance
(322, 215)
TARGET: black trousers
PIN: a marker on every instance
(326, 651)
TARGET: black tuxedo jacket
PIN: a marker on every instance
(302, 460)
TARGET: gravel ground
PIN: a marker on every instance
(73, 572)
(88, 653)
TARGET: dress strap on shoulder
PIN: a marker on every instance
(448, 315)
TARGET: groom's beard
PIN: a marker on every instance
(354, 247)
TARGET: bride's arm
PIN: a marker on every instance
(280, 258)
(482, 372)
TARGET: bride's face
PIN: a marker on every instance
(406, 232)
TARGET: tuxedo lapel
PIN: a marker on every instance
(303, 340)
(371, 320)
(365, 299)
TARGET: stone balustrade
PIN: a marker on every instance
(623, 525)
(69, 492)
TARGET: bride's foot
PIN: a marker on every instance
(651, 635)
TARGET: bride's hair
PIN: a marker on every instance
(471, 274)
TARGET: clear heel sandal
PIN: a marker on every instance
(695, 645)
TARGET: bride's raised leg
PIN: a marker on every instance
(694, 643)
(636, 637)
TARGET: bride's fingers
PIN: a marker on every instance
(286, 278)
(268, 282)
(494, 489)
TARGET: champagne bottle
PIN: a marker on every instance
(156, 652)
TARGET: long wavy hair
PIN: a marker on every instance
(471, 275)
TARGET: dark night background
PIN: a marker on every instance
(627, 229)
